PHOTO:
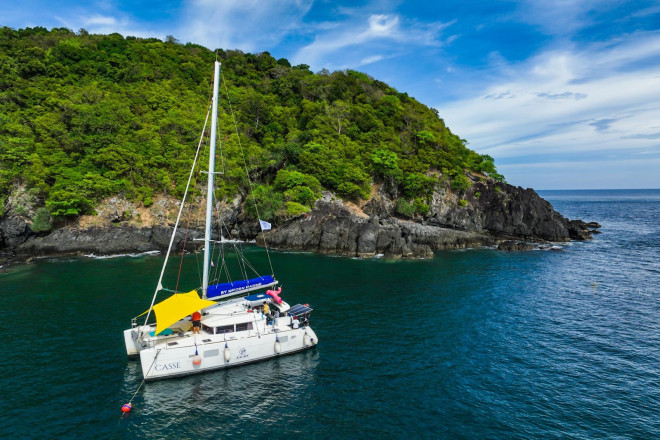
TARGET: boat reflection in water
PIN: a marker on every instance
(251, 400)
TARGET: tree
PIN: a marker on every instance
(338, 113)
(86, 116)
(386, 164)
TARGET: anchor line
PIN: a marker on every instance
(145, 377)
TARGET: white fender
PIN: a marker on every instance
(197, 360)
(307, 340)
(278, 346)
(227, 353)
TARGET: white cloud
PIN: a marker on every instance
(100, 20)
(249, 25)
(550, 105)
(379, 26)
(351, 42)
(558, 17)
(371, 59)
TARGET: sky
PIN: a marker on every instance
(562, 94)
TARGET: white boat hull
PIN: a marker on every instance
(163, 361)
(132, 349)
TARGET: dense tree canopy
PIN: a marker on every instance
(86, 116)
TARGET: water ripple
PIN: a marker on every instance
(479, 344)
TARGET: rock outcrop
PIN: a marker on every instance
(487, 213)
(332, 228)
(106, 241)
(513, 245)
(580, 230)
(502, 210)
(14, 231)
(495, 208)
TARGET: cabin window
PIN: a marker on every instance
(207, 329)
(243, 326)
(224, 329)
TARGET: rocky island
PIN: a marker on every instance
(97, 132)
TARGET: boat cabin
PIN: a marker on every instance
(227, 328)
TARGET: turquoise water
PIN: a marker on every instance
(471, 344)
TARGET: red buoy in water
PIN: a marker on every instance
(126, 407)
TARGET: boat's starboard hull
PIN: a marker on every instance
(164, 363)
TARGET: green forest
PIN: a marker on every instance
(84, 116)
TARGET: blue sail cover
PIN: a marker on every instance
(225, 289)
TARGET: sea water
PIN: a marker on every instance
(471, 344)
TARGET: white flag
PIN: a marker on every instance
(265, 226)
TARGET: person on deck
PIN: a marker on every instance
(267, 312)
(197, 322)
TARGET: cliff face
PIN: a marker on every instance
(486, 214)
(497, 209)
(335, 228)
(502, 210)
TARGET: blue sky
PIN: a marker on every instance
(563, 94)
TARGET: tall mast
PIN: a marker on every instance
(209, 191)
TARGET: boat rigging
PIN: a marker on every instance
(236, 328)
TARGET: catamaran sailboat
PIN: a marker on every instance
(240, 321)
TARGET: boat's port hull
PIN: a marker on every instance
(129, 341)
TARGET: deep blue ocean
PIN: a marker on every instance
(471, 344)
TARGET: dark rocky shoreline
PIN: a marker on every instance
(492, 216)
(487, 214)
